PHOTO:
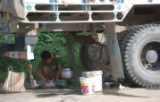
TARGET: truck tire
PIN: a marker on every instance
(141, 55)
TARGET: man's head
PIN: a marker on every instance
(46, 57)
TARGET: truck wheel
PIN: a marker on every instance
(141, 55)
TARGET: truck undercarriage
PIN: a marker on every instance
(132, 44)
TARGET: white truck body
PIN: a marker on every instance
(115, 8)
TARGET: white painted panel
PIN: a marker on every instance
(36, 1)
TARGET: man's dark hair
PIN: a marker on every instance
(45, 55)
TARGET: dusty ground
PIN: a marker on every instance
(66, 95)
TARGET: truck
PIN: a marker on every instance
(123, 34)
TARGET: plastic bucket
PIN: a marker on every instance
(96, 77)
(86, 85)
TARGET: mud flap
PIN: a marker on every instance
(114, 52)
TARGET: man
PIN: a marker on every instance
(13, 7)
(48, 70)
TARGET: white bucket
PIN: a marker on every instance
(86, 85)
(96, 77)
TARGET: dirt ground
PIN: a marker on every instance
(68, 95)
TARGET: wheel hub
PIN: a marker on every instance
(152, 56)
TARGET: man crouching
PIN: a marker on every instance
(49, 70)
